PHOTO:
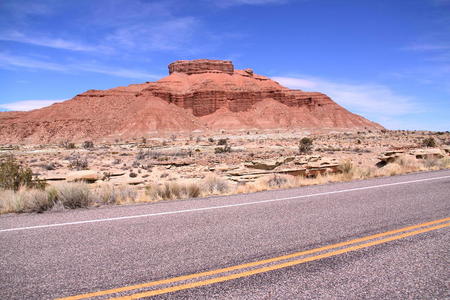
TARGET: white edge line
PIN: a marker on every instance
(218, 207)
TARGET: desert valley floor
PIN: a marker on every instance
(228, 162)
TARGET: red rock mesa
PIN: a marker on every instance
(202, 94)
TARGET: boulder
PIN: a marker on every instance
(389, 157)
(312, 158)
(433, 153)
(446, 149)
(135, 181)
(249, 71)
(293, 172)
(88, 176)
(268, 164)
(54, 178)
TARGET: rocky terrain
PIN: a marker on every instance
(186, 166)
(198, 96)
(236, 158)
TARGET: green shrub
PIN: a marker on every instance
(77, 162)
(13, 176)
(224, 149)
(68, 145)
(88, 144)
(429, 142)
(222, 142)
(305, 145)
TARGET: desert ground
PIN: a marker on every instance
(198, 164)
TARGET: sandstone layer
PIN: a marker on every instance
(197, 95)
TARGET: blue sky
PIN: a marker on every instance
(388, 60)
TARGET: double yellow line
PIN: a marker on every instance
(353, 245)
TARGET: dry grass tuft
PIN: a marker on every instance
(73, 195)
(173, 190)
(277, 181)
(24, 200)
(444, 163)
(110, 194)
(347, 169)
(213, 184)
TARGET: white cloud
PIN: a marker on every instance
(360, 98)
(9, 61)
(28, 104)
(57, 43)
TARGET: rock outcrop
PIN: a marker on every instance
(197, 95)
(200, 66)
(427, 153)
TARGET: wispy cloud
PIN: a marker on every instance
(16, 36)
(119, 13)
(12, 61)
(428, 47)
(361, 98)
(441, 2)
(432, 65)
(20, 9)
(26, 105)
(113, 28)
(168, 35)
(228, 3)
(8, 61)
(119, 72)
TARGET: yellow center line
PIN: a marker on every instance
(247, 265)
(276, 267)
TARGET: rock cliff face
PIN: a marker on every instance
(200, 66)
(197, 95)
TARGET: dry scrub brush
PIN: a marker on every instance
(172, 190)
(63, 195)
(110, 194)
(71, 195)
(24, 200)
(213, 184)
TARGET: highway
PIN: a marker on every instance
(383, 238)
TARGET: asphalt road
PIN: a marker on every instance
(62, 254)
